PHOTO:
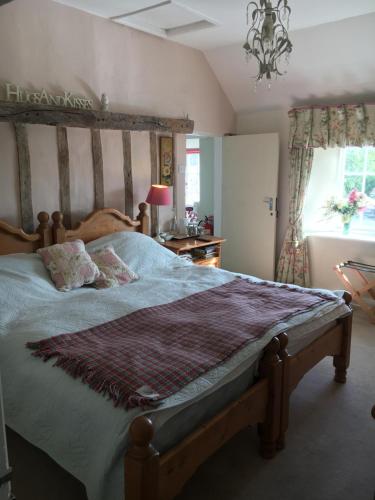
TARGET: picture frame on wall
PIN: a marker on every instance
(166, 161)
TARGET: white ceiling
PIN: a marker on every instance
(333, 43)
(214, 23)
(332, 63)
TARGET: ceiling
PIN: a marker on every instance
(208, 24)
(332, 59)
(330, 64)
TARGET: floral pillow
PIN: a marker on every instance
(69, 264)
(113, 270)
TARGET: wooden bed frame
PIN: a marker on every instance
(149, 475)
(15, 240)
(100, 223)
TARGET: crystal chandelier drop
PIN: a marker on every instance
(267, 39)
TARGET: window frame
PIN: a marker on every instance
(191, 151)
(359, 231)
(363, 174)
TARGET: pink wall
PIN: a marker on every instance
(45, 44)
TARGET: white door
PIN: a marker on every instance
(249, 190)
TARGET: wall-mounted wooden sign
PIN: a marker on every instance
(87, 118)
(15, 93)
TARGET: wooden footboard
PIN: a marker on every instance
(149, 476)
(335, 342)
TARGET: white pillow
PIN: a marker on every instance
(140, 252)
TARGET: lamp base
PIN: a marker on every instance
(159, 239)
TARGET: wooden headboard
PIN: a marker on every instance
(15, 240)
(100, 223)
(21, 115)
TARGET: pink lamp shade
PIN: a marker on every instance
(159, 195)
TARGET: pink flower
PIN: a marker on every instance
(354, 196)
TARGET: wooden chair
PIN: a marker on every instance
(364, 287)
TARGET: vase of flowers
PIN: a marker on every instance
(354, 204)
(346, 220)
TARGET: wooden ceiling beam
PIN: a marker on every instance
(85, 118)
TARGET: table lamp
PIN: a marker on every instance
(159, 195)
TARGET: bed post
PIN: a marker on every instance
(341, 361)
(141, 462)
(58, 229)
(44, 229)
(143, 218)
(284, 413)
(271, 368)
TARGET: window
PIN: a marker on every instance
(335, 173)
(192, 173)
(359, 170)
(359, 173)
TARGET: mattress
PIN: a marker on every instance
(78, 428)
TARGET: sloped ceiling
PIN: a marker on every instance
(331, 63)
(228, 20)
(332, 59)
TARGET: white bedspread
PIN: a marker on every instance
(77, 427)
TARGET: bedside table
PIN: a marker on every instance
(204, 253)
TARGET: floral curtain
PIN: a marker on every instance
(316, 127)
(332, 126)
(293, 264)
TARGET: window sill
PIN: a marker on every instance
(340, 236)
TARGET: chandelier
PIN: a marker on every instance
(267, 39)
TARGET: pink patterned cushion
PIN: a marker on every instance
(113, 270)
(69, 264)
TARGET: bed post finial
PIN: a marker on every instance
(141, 462)
(271, 368)
(347, 297)
(44, 229)
(58, 229)
(143, 218)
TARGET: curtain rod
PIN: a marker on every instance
(323, 106)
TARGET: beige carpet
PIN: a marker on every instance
(330, 453)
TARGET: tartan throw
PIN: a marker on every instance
(150, 354)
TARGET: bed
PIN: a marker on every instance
(15, 240)
(157, 451)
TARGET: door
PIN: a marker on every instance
(249, 190)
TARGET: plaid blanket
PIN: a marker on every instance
(150, 354)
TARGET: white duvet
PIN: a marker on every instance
(78, 428)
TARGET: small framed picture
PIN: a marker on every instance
(166, 161)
